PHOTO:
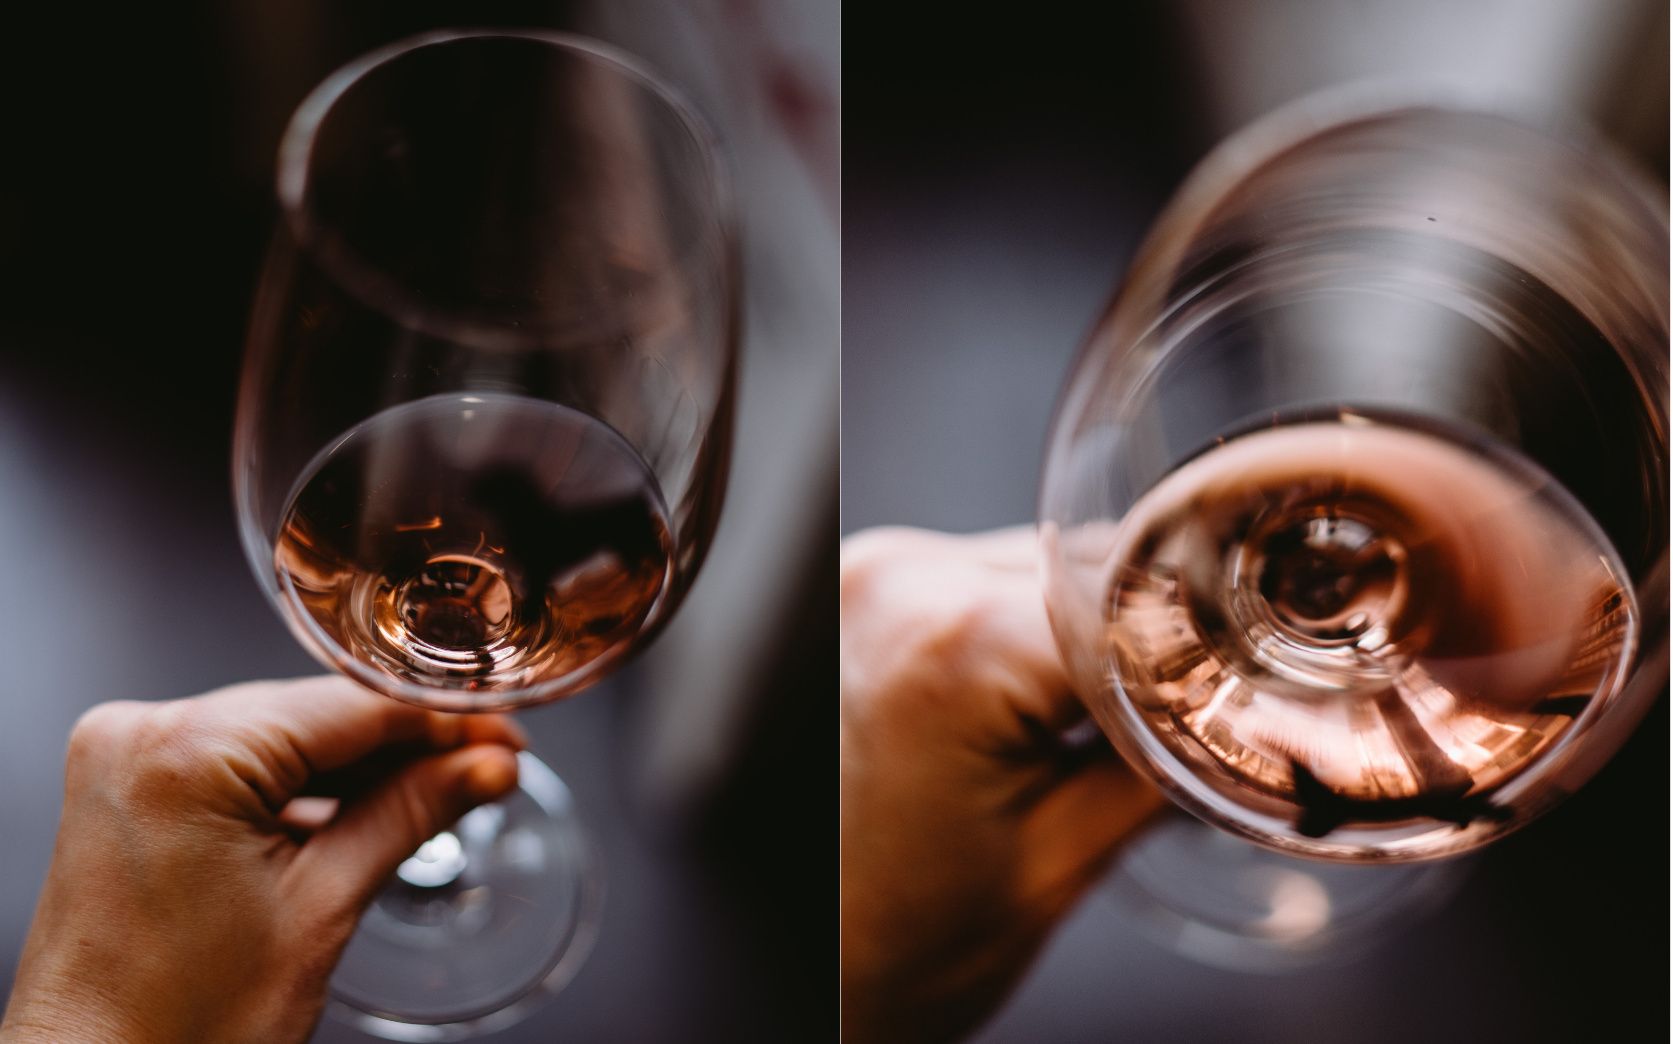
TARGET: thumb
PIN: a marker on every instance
(372, 836)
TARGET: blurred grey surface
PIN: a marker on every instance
(133, 213)
(998, 179)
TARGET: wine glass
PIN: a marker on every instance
(482, 440)
(1354, 511)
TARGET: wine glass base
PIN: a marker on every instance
(479, 927)
(1222, 901)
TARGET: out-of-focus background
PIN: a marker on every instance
(999, 175)
(135, 205)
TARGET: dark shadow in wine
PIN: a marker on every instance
(554, 538)
(1568, 706)
(1322, 810)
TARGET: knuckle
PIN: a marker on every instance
(174, 742)
(874, 554)
(922, 654)
(164, 735)
(862, 560)
(924, 623)
(890, 579)
(144, 752)
(100, 734)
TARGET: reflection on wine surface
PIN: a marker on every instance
(481, 542)
(1355, 619)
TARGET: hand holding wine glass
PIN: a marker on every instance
(969, 824)
(180, 841)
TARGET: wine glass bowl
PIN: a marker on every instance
(482, 439)
(1354, 511)
(485, 417)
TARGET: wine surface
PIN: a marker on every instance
(1361, 620)
(476, 541)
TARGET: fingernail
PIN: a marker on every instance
(492, 773)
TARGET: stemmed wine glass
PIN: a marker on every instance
(1354, 512)
(482, 440)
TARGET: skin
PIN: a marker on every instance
(970, 825)
(191, 898)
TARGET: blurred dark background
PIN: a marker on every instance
(135, 205)
(999, 173)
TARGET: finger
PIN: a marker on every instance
(1079, 825)
(317, 725)
(373, 835)
(335, 722)
(354, 781)
(357, 777)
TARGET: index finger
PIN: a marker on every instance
(320, 724)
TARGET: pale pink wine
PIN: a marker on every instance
(476, 541)
(1364, 620)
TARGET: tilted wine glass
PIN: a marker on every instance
(1354, 512)
(482, 440)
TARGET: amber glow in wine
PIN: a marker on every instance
(476, 541)
(1361, 619)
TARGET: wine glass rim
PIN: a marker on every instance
(1146, 287)
(1268, 137)
(384, 294)
(1271, 134)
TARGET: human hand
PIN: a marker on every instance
(188, 900)
(969, 826)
